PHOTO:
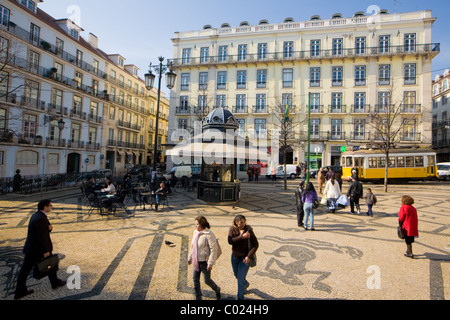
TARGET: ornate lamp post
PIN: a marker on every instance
(149, 81)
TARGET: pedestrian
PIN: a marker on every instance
(308, 197)
(274, 174)
(243, 246)
(37, 246)
(257, 173)
(330, 173)
(17, 181)
(355, 191)
(320, 179)
(408, 221)
(332, 192)
(203, 255)
(371, 200)
(299, 203)
(338, 177)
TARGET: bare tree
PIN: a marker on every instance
(388, 123)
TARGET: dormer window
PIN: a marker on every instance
(121, 62)
(74, 33)
(31, 5)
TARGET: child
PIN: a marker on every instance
(371, 199)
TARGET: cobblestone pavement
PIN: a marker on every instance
(143, 255)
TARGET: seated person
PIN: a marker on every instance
(111, 191)
(89, 186)
(172, 182)
(160, 194)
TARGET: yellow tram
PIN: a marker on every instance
(403, 164)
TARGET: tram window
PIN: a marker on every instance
(391, 162)
(400, 162)
(349, 162)
(419, 161)
(430, 161)
(372, 162)
(359, 162)
(381, 162)
(409, 162)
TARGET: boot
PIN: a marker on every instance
(409, 252)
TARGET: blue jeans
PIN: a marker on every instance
(309, 211)
(369, 209)
(206, 276)
(240, 270)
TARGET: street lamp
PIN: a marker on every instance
(170, 83)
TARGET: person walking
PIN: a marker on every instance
(299, 203)
(355, 191)
(371, 200)
(409, 222)
(17, 181)
(320, 179)
(332, 193)
(203, 255)
(37, 246)
(308, 197)
(243, 246)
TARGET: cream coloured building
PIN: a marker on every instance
(346, 70)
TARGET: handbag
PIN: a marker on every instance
(45, 267)
(315, 204)
(323, 201)
(252, 260)
(342, 200)
(400, 233)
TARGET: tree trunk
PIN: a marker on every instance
(386, 168)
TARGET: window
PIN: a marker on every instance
(242, 52)
(409, 101)
(55, 133)
(336, 129)
(314, 80)
(382, 162)
(315, 102)
(241, 79)
(27, 157)
(410, 73)
(33, 61)
(241, 126)
(288, 49)
(262, 51)
(75, 132)
(29, 126)
(185, 81)
(79, 57)
(315, 48)
(93, 110)
(360, 45)
(372, 162)
(336, 102)
(286, 99)
(359, 129)
(410, 42)
(202, 102)
(92, 137)
(2, 157)
(31, 5)
(288, 78)
(336, 74)
(384, 74)
(204, 54)
(91, 159)
(360, 75)
(112, 113)
(384, 100)
(57, 100)
(35, 32)
(4, 48)
(315, 128)
(74, 33)
(410, 162)
(360, 101)
(400, 162)
(260, 126)
(261, 78)
(223, 53)
(77, 105)
(221, 80)
(337, 47)
(203, 81)
(2, 119)
(418, 161)
(241, 103)
(4, 83)
(121, 61)
(4, 16)
(182, 124)
(261, 103)
(384, 43)
(32, 92)
(186, 56)
(409, 130)
(221, 100)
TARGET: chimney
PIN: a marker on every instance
(93, 40)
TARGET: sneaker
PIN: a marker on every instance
(359, 212)
(312, 229)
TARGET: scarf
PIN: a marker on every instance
(195, 250)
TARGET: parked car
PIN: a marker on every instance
(443, 170)
(139, 168)
(291, 171)
(180, 172)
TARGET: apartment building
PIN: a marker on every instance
(441, 116)
(65, 105)
(345, 70)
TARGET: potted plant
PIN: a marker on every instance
(38, 140)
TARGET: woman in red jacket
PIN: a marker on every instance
(407, 218)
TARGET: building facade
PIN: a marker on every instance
(345, 70)
(441, 116)
(65, 105)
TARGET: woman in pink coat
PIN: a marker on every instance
(407, 218)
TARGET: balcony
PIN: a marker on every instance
(260, 109)
(316, 109)
(419, 49)
(411, 136)
(411, 108)
(183, 111)
(337, 109)
(360, 109)
(240, 109)
(128, 125)
(359, 136)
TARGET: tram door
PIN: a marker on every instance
(431, 166)
(359, 163)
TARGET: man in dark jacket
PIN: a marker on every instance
(299, 203)
(37, 246)
(355, 191)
